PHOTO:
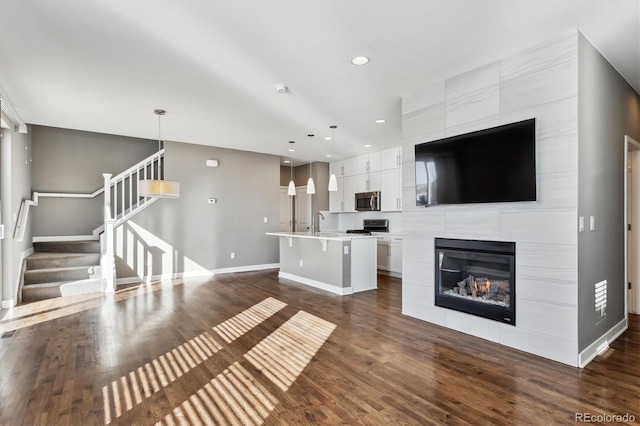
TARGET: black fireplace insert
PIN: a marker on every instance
(476, 277)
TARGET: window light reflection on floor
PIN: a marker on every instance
(232, 397)
(283, 354)
(248, 319)
(120, 395)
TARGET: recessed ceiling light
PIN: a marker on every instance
(360, 60)
(327, 138)
(367, 146)
(286, 161)
(328, 155)
(381, 120)
(292, 150)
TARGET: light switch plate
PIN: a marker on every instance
(592, 223)
(266, 219)
(581, 224)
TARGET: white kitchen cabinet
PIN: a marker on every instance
(390, 254)
(349, 190)
(336, 167)
(336, 198)
(343, 199)
(383, 255)
(350, 167)
(395, 255)
(368, 163)
(391, 158)
(391, 190)
(368, 182)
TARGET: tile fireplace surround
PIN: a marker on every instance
(540, 82)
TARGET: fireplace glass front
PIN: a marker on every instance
(476, 277)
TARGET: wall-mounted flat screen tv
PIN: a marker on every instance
(488, 166)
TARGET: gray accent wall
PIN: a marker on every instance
(608, 109)
(67, 160)
(188, 235)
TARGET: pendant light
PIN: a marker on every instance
(333, 182)
(311, 187)
(292, 186)
(158, 187)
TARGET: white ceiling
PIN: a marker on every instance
(105, 66)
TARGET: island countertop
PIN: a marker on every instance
(337, 236)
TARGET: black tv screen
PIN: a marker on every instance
(487, 166)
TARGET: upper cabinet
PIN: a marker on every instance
(350, 166)
(368, 163)
(337, 167)
(391, 158)
(377, 171)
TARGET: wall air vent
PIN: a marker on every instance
(600, 297)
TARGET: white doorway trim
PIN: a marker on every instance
(631, 152)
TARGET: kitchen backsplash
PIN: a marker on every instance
(344, 221)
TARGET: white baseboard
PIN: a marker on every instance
(61, 238)
(26, 253)
(601, 344)
(8, 304)
(193, 274)
(317, 284)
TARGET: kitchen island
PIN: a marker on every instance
(337, 262)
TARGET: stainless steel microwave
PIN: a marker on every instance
(367, 201)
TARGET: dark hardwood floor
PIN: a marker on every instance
(250, 349)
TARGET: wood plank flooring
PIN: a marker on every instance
(250, 349)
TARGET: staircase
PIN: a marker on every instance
(66, 265)
(60, 269)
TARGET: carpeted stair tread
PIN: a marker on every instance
(42, 291)
(91, 246)
(70, 273)
(48, 260)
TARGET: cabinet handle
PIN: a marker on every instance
(367, 165)
(341, 170)
(341, 206)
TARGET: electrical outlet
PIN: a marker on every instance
(581, 224)
(592, 223)
(300, 262)
(233, 255)
(266, 219)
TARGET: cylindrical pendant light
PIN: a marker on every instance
(333, 182)
(311, 187)
(158, 187)
(292, 185)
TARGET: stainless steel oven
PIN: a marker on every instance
(367, 201)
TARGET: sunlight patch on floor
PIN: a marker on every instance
(283, 354)
(248, 319)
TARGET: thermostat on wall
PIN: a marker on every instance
(212, 163)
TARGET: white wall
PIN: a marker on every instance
(538, 82)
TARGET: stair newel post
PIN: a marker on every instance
(108, 259)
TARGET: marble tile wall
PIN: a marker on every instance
(539, 82)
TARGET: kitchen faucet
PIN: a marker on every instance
(313, 221)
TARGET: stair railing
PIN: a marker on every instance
(121, 202)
